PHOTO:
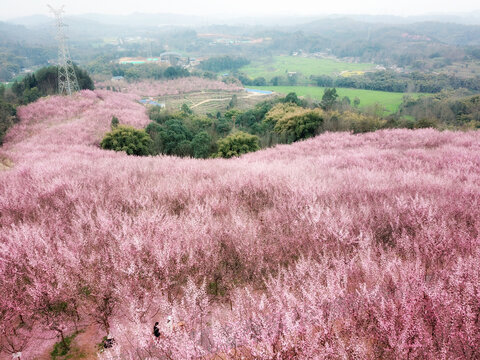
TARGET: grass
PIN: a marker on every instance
(280, 65)
(65, 351)
(8, 85)
(389, 100)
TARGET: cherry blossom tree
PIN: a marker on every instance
(341, 246)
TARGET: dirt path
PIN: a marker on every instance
(5, 164)
(84, 346)
(209, 100)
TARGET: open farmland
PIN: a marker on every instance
(389, 100)
(280, 65)
(201, 95)
(341, 246)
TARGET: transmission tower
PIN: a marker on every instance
(67, 79)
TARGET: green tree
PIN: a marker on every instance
(159, 114)
(175, 72)
(154, 130)
(292, 79)
(329, 98)
(31, 95)
(426, 123)
(173, 135)
(128, 139)
(114, 123)
(18, 88)
(259, 81)
(233, 102)
(85, 82)
(223, 125)
(217, 64)
(276, 80)
(237, 144)
(7, 117)
(293, 98)
(186, 109)
(183, 148)
(201, 145)
(361, 123)
(300, 124)
(356, 101)
(47, 80)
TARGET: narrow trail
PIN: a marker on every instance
(208, 100)
(223, 99)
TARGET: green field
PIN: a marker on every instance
(7, 85)
(280, 65)
(390, 101)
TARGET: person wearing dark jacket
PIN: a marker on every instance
(156, 330)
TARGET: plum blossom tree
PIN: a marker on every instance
(372, 252)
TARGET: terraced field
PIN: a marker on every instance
(212, 101)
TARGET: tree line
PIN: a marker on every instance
(222, 63)
(134, 72)
(389, 81)
(453, 109)
(399, 82)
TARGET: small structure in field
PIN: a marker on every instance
(152, 102)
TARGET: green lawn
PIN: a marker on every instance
(280, 65)
(390, 101)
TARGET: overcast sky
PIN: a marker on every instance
(16, 8)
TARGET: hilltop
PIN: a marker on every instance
(342, 245)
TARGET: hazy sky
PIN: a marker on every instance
(16, 8)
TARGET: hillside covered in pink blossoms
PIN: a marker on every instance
(169, 87)
(339, 247)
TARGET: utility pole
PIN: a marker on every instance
(150, 53)
(67, 79)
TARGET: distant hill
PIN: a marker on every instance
(32, 20)
(13, 33)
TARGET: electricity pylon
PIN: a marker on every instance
(67, 79)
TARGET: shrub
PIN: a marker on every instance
(62, 347)
(361, 123)
(426, 123)
(301, 124)
(237, 144)
(128, 139)
(293, 121)
(293, 98)
(114, 123)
